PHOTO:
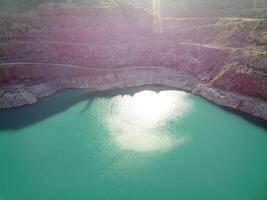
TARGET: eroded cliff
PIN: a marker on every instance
(57, 46)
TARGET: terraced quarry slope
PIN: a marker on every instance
(57, 46)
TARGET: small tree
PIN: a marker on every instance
(115, 2)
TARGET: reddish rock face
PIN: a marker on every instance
(29, 74)
(242, 80)
(58, 23)
(57, 43)
(12, 50)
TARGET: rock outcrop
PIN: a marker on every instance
(56, 47)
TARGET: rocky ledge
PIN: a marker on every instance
(57, 46)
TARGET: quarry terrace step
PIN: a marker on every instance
(141, 52)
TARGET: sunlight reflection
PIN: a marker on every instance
(156, 7)
(156, 10)
(148, 106)
(140, 121)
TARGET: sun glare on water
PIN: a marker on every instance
(139, 121)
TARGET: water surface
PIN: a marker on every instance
(165, 145)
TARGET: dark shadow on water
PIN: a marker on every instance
(20, 117)
(16, 118)
(129, 91)
(88, 104)
(248, 117)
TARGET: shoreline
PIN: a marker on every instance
(158, 88)
(56, 47)
(257, 121)
(109, 82)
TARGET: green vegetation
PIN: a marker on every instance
(261, 53)
(24, 4)
(215, 8)
(262, 25)
(170, 8)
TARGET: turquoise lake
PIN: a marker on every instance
(166, 145)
